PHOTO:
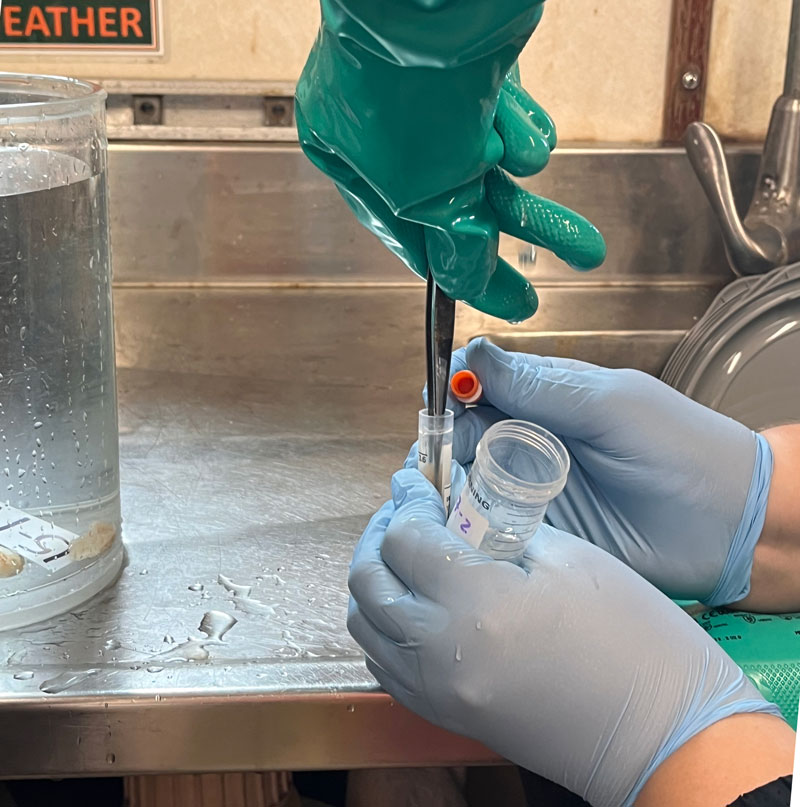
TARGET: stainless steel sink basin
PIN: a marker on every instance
(642, 350)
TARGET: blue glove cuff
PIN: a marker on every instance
(734, 582)
(694, 727)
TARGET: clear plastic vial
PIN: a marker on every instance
(519, 468)
(435, 450)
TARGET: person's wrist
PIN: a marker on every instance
(732, 756)
(734, 581)
(740, 703)
(776, 558)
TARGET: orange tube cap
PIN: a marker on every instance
(465, 386)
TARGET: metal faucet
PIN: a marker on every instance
(769, 236)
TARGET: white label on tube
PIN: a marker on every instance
(36, 540)
(447, 464)
(469, 519)
(426, 467)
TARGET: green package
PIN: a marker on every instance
(765, 646)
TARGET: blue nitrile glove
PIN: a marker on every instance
(572, 665)
(670, 487)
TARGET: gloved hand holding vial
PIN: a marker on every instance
(518, 469)
(566, 661)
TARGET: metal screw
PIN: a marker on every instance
(147, 110)
(690, 80)
(278, 111)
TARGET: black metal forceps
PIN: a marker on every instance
(440, 318)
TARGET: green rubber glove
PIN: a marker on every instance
(414, 109)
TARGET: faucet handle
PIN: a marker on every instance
(749, 252)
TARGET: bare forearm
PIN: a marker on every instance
(775, 579)
(734, 756)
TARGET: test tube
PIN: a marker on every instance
(435, 450)
(519, 468)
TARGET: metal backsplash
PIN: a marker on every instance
(201, 111)
(262, 214)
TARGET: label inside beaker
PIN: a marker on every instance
(36, 540)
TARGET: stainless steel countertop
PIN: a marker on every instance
(270, 359)
(250, 465)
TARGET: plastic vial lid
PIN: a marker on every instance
(466, 387)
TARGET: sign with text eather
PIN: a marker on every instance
(122, 26)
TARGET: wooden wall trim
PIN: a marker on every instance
(687, 66)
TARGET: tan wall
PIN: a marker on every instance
(596, 65)
(748, 54)
(252, 39)
(588, 58)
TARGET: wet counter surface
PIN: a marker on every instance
(259, 430)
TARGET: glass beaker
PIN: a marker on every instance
(60, 540)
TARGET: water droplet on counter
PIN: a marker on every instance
(155, 668)
(112, 644)
(169, 639)
(143, 572)
(351, 707)
(235, 588)
(215, 624)
(242, 600)
(479, 625)
(458, 652)
(191, 650)
(64, 681)
(196, 587)
(38, 424)
(23, 331)
(26, 675)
